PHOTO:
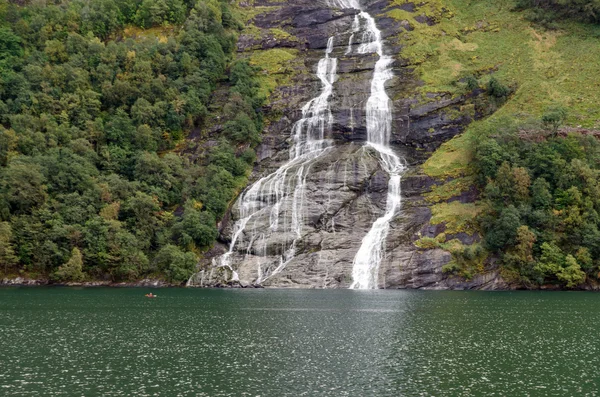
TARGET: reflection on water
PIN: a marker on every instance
(115, 342)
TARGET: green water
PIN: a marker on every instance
(115, 342)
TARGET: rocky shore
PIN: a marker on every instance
(28, 282)
(145, 283)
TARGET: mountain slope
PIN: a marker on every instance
(457, 62)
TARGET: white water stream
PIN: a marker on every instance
(280, 195)
(365, 271)
(282, 192)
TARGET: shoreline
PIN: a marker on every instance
(145, 283)
(157, 283)
(29, 282)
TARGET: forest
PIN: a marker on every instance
(548, 11)
(99, 99)
(542, 186)
(96, 98)
(540, 181)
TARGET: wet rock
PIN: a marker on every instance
(22, 281)
(346, 188)
(26, 282)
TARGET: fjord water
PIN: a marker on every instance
(115, 342)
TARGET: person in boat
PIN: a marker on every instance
(150, 295)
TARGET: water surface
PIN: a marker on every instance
(115, 342)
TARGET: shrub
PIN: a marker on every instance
(176, 264)
(496, 89)
(553, 118)
(472, 83)
(72, 270)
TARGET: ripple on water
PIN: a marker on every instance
(297, 343)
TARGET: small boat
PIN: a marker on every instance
(151, 295)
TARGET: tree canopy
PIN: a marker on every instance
(547, 11)
(96, 98)
(544, 194)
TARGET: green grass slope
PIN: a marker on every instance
(466, 41)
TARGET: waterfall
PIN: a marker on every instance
(281, 193)
(344, 4)
(355, 29)
(368, 259)
(271, 211)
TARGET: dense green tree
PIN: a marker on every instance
(571, 273)
(72, 270)
(176, 264)
(546, 11)
(93, 113)
(10, 44)
(7, 252)
(503, 231)
(142, 215)
(553, 263)
(102, 17)
(95, 238)
(156, 12)
(23, 187)
(197, 227)
(554, 117)
(128, 261)
(223, 156)
(242, 129)
(490, 155)
(541, 196)
(556, 216)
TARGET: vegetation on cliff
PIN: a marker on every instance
(548, 11)
(531, 72)
(96, 98)
(544, 197)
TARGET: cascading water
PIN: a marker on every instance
(271, 212)
(344, 4)
(282, 192)
(355, 29)
(367, 261)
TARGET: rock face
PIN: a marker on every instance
(345, 189)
